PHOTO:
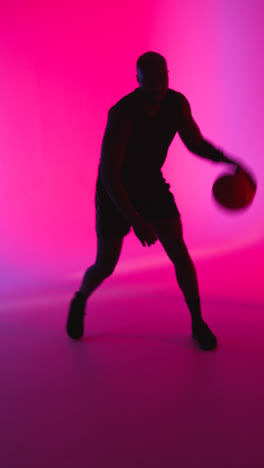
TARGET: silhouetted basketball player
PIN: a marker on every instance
(131, 191)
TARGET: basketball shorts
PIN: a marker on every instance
(152, 203)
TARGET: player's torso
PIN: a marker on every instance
(152, 133)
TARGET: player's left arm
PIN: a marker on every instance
(192, 138)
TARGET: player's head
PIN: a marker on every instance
(152, 75)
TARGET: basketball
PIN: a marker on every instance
(234, 191)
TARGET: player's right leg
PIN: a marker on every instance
(108, 253)
(111, 228)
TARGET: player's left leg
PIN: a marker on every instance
(169, 232)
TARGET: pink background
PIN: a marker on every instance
(135, 391)
(63, 65)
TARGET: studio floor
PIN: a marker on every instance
(135, 391)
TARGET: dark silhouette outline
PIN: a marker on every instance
(116, 212)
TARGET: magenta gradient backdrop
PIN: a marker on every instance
(63, 65)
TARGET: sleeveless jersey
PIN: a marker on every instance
(147, 147)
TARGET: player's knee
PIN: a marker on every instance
(177, 252)
(105, 269)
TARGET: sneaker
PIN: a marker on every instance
(201, 332)
(75, 325)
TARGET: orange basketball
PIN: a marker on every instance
(234, 191)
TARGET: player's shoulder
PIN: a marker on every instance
(177, 97)
(119, 115)
(180, 103)
(123, 106)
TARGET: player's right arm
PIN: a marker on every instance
(118, 131)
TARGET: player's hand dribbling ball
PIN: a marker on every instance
(234, 191)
